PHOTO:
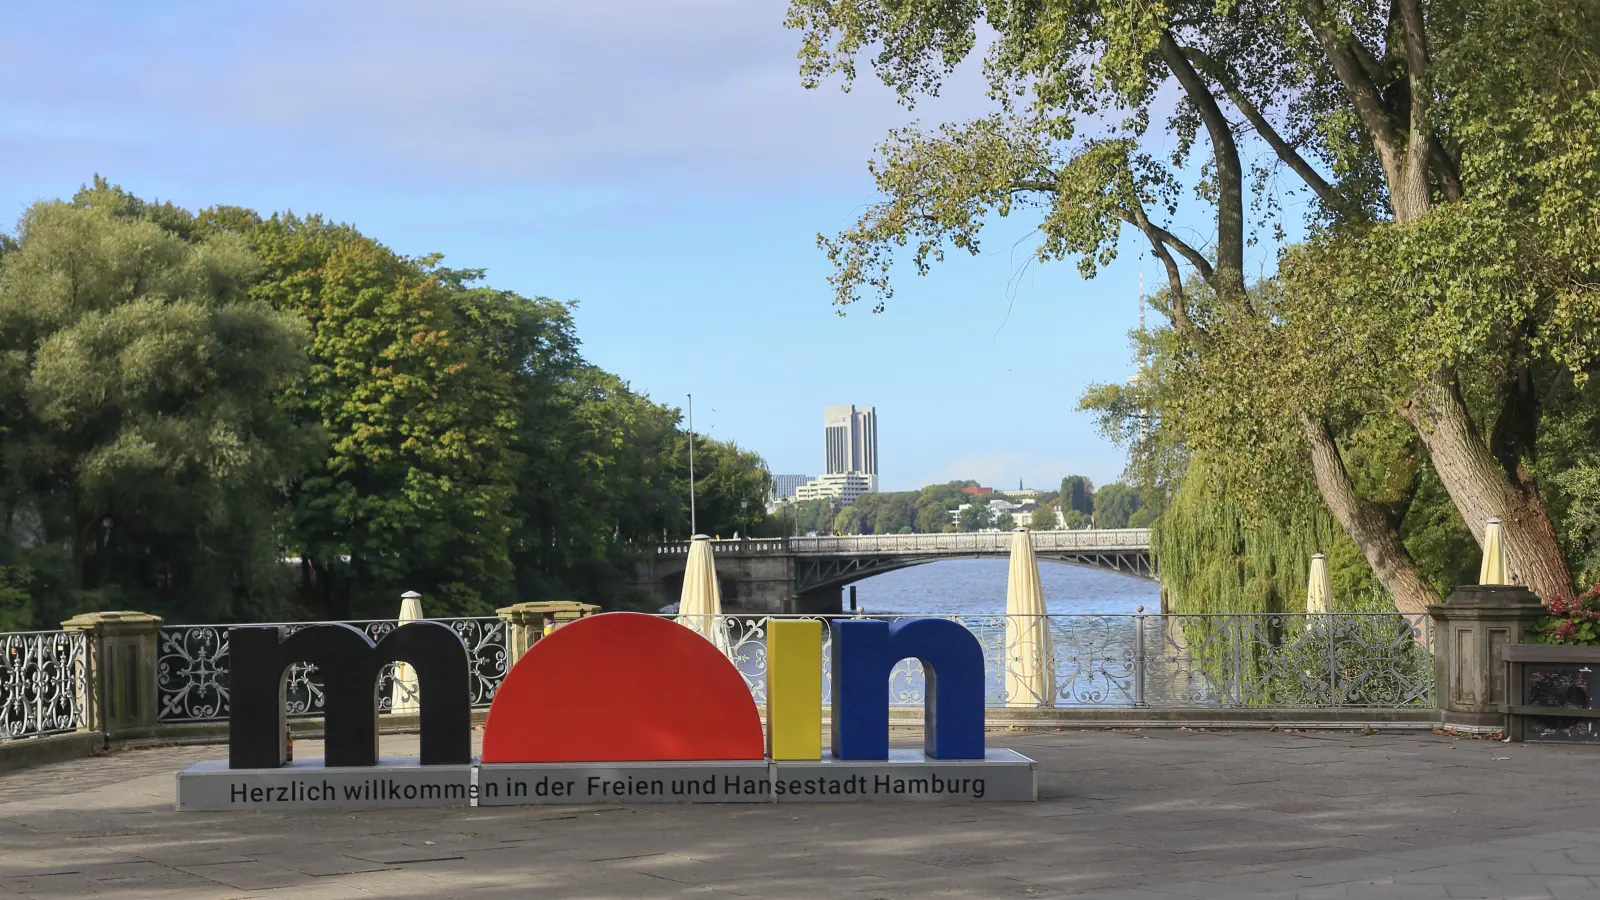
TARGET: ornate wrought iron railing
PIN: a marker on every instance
(192, 669)
(1279, 661)
(1087, 539)
(975, 542)
(41, 683)
(1265, 661)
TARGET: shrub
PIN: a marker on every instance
(1574, 621)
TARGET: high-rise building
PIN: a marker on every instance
(783, 486)
(850, 442)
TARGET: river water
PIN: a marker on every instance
(978, 587)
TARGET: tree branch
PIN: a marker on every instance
(1160, 238)
(1360, 84)
(1283, 148)
(1445, 167)
(1201, 265)
(1180, 302)
(1420, 139)
(1229, 281)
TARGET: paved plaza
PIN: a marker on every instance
(1149, 814)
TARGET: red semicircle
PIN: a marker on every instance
(622, 687)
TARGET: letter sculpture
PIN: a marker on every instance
(864, 653)
(349, 663)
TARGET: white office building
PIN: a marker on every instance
(850, 442)
(838, 487)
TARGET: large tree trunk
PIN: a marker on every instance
(1481, 489)
(1378, 542)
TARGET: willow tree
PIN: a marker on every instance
(1380, 115)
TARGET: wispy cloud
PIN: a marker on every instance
(633, 91)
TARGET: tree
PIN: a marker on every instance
(849, 521)
(731, 488)
(142, 453)
(1385, 116)
(1114, 504)
(932, 517)
(974, 518)
(1077, 493)
(1044, 518)
(895, 512)
(1074, 519)
(1004, 522)
(814, 516)
(869, 505)
(418, 480)
(184, 399)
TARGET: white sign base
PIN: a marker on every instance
(907, 775)
(308, 784)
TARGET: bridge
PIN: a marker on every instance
(806, 574)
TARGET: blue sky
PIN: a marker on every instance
(659, 163)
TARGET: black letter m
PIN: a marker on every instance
(350, 664)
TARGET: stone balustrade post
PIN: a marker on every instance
(119, 684)
(525, 622)
(1469, 628)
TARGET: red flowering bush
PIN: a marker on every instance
(1571, 621)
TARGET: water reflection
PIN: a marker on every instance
(978, 587)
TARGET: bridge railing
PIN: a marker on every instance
(1261, 661)
(947, 542)
(725, 545)
(974, 542)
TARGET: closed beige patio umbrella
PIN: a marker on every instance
(1318, 593)
(1030, 679)
(1493, 568)
(700, 604)
(403, 696)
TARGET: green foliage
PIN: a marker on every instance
(975, 517)
(812, 516)
(932, 517)
(1351, 660)
(187, 399)
(1115, 504)
(1450, 242)
(1574, 621)
(1212, 561)
(849, 520)
(1044, 517)
(143, 452)
(418, 479)
(1077, 493)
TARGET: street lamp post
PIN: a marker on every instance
(692, 529)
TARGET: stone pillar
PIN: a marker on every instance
(1469, 628)
(525, 622)
(120, 671)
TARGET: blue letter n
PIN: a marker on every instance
(865, 651)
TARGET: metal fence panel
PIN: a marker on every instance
(1265, 661)
(1262, 661)
(41, 683)
(192, 668)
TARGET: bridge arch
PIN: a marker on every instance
(798, 574)
(835, 573)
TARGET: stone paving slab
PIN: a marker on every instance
(1152, 814)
